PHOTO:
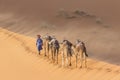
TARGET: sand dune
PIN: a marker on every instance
(107, 9)
(96, 22)
(98, 26)
(102, 41)
(20, 61)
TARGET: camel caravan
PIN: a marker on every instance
(52, 48)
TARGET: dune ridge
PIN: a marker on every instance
(102, 41)
(23, 63)
(96, 22)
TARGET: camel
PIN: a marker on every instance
(46, 45)
(54, 44)
(66, 50)
(80, 51)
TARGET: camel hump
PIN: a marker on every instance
(55, 43)
(69, 43)
(47, 37)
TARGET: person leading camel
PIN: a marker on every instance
(39, 43)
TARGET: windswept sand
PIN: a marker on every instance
(99, 29)
(19, 61)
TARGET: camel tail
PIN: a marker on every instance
(86, 52)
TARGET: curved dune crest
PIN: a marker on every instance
(19, 61)
(96, 22)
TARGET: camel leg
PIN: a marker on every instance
(62, 59)
(81, 59)
(85, 63)
(44, 48)
(76, 60)
(85, 60)
(66, 57)
(47, 50)
(57, 55)
(70, 61)
(81, 63)
(52, 54)
(66, 61)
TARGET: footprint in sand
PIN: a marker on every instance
(33, 52)
(108, 70)
(117, 71)
(89, 68)
(100, 68)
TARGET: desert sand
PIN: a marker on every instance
(96, 22)
(20, 61)
(99, 29)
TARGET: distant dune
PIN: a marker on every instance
(20, 61)
(45, 9)
(96, 22)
